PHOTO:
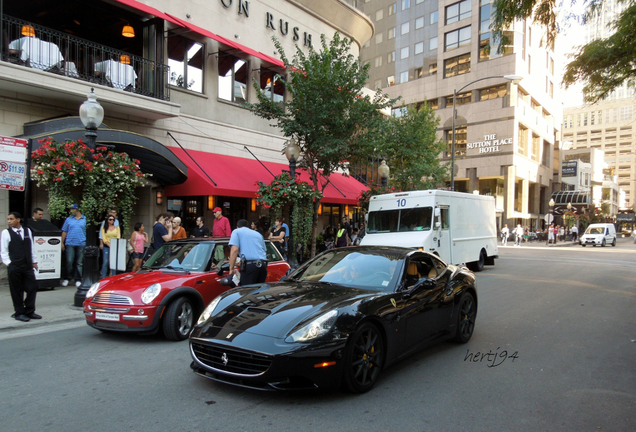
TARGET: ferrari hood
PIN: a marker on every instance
(275, 309)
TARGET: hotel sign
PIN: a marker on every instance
(490, 144)
(568, 168)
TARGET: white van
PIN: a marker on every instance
(460, 228)
(599, 234)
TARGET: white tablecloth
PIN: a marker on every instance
(120, 75)
(40, 54)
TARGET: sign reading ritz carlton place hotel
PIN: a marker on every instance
(490, 144)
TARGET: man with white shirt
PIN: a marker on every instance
(19, 257)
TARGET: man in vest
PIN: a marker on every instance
(18, 255)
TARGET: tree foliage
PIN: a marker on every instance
(411, 148)
(326, 114)
(601, 65)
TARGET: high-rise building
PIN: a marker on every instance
(506, 133)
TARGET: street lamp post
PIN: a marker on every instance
(515, 79)
(91, 113)
(569, 210)
(292, 152)
(383, 172)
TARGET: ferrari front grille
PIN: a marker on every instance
(231, 360)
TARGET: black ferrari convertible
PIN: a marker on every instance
(337, 320)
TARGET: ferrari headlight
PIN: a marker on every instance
(207, 312)
(151, 293)
(92, 290)
(318, 327)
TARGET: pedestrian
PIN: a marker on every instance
(277, 236)
(526, 234)
(575, 233)
(162, 230)
(178, 232)
(518, 235)
(108, 232)
(354, 237)
(111, 212)
(561, 232)
(346, 225)
(38, 215)
(221, 224)
(505, 232)
(342, 236)
(550, 234)
(73, 243)
(138, 240)
(19, 257)
(200, 230)
(250, 246)
(362, 232)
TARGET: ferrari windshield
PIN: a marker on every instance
(181, 256)
(410, 219)
(360, 269)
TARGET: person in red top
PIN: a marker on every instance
(221, 226)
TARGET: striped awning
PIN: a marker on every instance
(571, 197)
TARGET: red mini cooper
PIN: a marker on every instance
(170, 291)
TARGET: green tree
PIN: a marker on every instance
(326, 113)
(411, 148)
(601, 65)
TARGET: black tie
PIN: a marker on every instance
(20, 232)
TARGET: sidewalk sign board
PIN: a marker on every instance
(13, 153)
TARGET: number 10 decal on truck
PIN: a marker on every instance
(459, 227)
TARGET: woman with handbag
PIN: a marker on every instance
(277, 236)
(138, 240)
(109, 232)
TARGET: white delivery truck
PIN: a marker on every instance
(459, 227)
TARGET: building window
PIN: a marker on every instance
(404, 77)
(551, 92)
(419, 73)
(186, 63)
(529, 65)
(390, 57)
(399, 112)
(457, 65)
(458, 11)
(391, 33)
(378, 61)
(419, 23)
(379, 14)
(405, 28)
(404, 53)
(378, 84)
(419, 48)
(522, 147)
(489, 48)
(461, 134)
(600, 117)
(461, 99)
(536, 143)
(494, 92)
(391, 80)
(432, 43)
(272, 86)
(418, 1)
(434, 17)
(626, 113)
(551, 66)
(233, 75)
(457, 38)
(392, 9)
(406, 4)
(432, 69)
(378, 38)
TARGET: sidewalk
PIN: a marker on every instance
(55, 306)
(541, 243)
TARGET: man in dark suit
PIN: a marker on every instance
(18, 255)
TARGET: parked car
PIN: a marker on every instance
(170, 291)
(338, 320)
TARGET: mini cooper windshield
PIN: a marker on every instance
(181, 257)
(352, 268)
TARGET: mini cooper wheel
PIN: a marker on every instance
(178, 319)
(466, 318)
(364, 359)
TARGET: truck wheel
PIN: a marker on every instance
(603, 243)
(478, 265)
(614, 243)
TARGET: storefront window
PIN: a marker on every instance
(185, 58)
(232, 78)
(272, 86)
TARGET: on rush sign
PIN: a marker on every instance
(13, 154)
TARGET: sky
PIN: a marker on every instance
(571, 36)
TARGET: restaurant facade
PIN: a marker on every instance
(171, 77)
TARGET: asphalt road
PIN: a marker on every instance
(559, 324)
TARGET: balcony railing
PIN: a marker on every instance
(56, 52)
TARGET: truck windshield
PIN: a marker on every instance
(412, 219)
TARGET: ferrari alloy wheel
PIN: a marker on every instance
(178, 319)
(365, 356)
(466, 318)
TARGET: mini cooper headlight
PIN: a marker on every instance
(207, 312)
(318, 327)
(92, 290)
(151, 293)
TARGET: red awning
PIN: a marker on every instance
(237, 177)
(150, 10)
(228, 42)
